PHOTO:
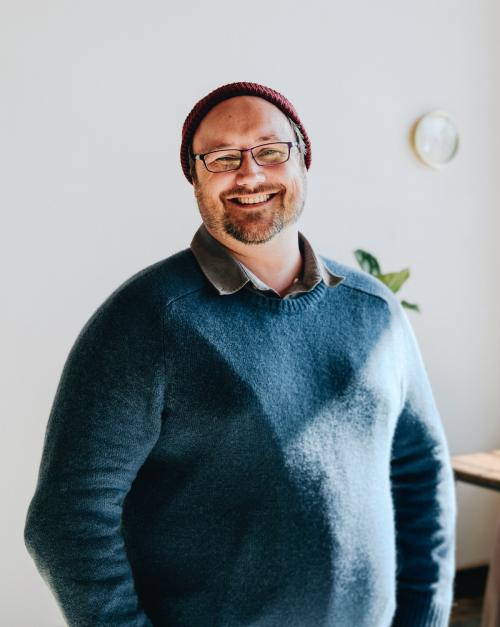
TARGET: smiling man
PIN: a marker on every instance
(244, 433)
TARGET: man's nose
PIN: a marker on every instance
(249, 172)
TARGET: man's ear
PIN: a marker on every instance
(192, 167)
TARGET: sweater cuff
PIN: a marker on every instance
(421, 610)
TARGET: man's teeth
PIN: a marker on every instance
(250, 200)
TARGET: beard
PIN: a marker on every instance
(253, 226)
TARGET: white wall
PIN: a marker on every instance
(93, 96)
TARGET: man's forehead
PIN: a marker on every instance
(248, 117)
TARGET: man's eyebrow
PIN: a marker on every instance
(263, 138)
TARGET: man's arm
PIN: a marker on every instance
(104, 421)
(424, 498)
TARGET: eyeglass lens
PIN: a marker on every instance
(268, 154)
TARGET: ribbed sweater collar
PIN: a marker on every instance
(228, 276)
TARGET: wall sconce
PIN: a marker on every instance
(435, 138)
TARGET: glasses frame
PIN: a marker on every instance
(201, 157)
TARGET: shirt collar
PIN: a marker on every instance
(228, 275)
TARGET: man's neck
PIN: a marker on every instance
(276, 262)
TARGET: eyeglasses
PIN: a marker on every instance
(231, 158)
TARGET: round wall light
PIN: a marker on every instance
(435, 138)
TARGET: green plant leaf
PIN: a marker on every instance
(394, 280)
(367, 262)
(408, 305)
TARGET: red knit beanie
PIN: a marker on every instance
(202, 107)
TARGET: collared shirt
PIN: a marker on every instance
(228, 275)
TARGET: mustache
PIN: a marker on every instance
(260, 189)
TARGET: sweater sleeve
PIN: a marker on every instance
(424, 497)
(104, 421)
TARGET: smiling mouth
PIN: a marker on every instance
(252, 200)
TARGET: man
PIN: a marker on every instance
(244, 433)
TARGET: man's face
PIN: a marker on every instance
(244, 122)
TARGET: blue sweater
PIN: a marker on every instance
(245, 461)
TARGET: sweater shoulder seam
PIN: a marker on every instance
(360, 281)
(165, 307)
(367, 292)
(183, 295)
